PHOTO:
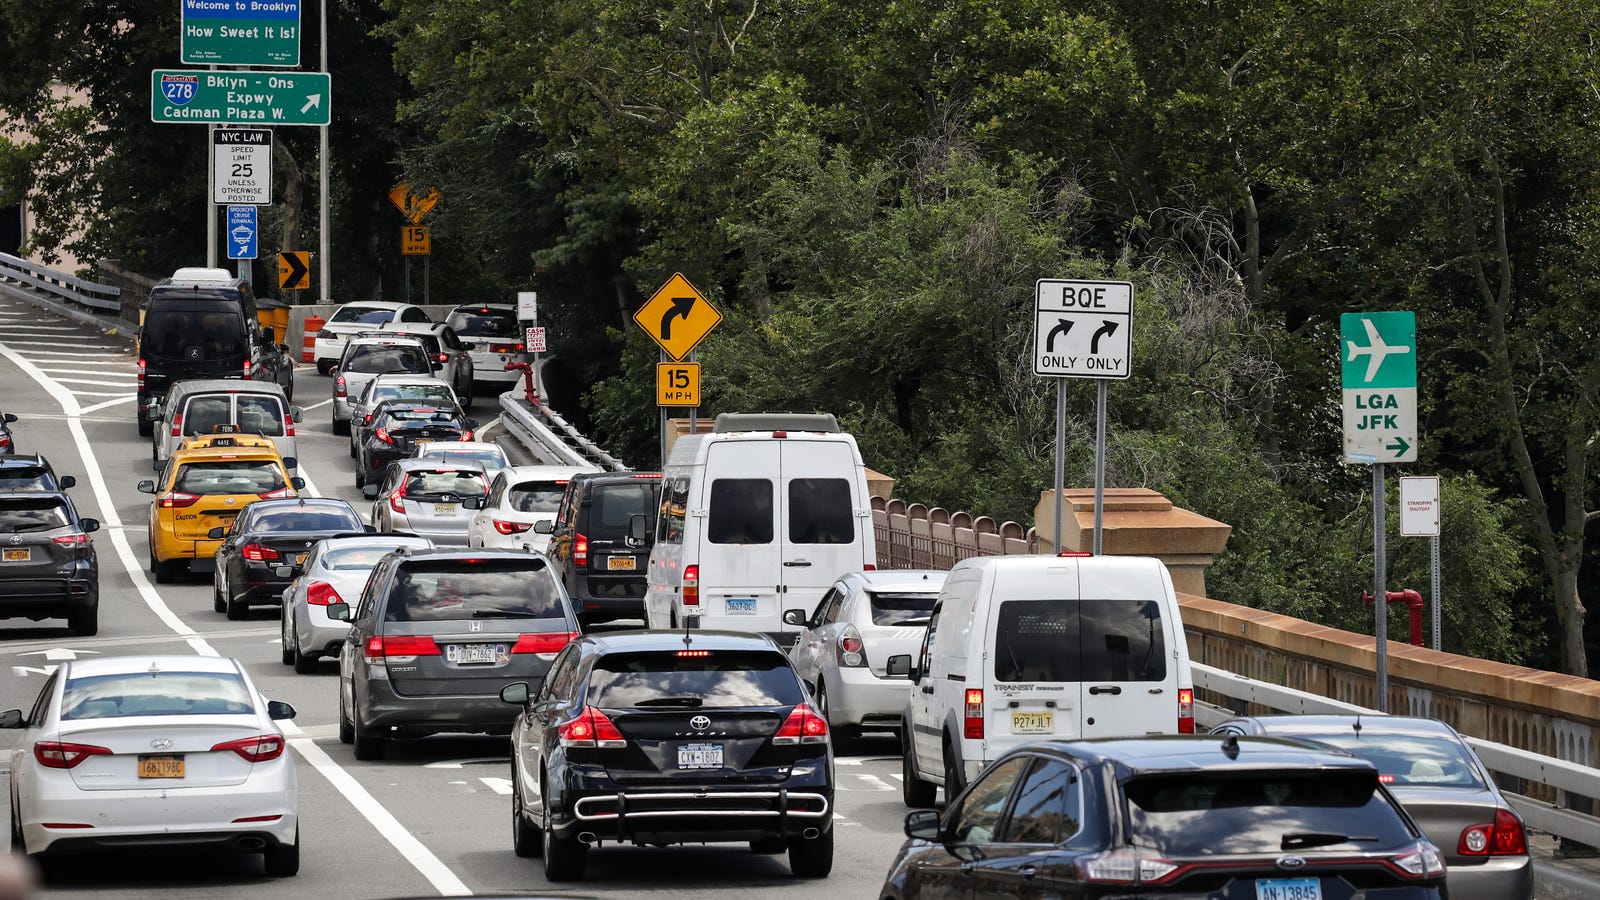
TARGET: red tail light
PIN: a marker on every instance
(544, 642)
(443, 357)
(1186, 710)
(869, 567)
(972, 726)
(591, 729)
(511, 527)
(321, 593)
(339, 387)
(58, 755)
(141, 376)
(258, 553)
(177, 500)
(1505, 837)
(278, 494)
(506, 348)
(367, 419)
(466, 435)
(802, 727)
(399, 645)
(382, 434)
(5, 441)
(397, 495)
(71, 539)
(288, 425)
(580, 550)
(256, 749)
(691, 585)
(247, 370)
(177, 425)
(851, 651)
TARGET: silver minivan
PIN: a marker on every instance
(197, 407)
(430, 498)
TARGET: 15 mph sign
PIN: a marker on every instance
(1082, 329)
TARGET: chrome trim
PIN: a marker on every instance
(700, 797)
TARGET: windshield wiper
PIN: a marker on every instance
(505, 614)
(686, 702)
(1307, 839)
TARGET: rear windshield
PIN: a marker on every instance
(1267, 813)
(436, 591)
(230, 476)
(194, 332)
(427, 484)
(820, 511)
(413, 392)
(890, 608)
(483, 323)
(257, 415)
(721, 679)
(353, 558)
(536, 496)
(489, 459)
(614, 504)
(741, 511)
(158, 694)
(25, 478)
(29, 514)
(382, 358)
(1407, 759)
(426, 415)
(307, 519)
(1080, 640)
(429, 342)
(364, 315)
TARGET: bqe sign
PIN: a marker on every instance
(1082, 329)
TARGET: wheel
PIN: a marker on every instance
(324, 367)
(812, 858)
(352, 448)
(367, 744)
(305, 664)
(235, 609)
(146, 427)
(842, 736)
(769, 846)
(84, 622)
(284, 859)
(952, 776)
(155, 458)
(361, 477)
(162, 571)
(525, 838)
(217, 603)
(913, 790)
(347, 729)
(564, 858)
(285, 639)
(341, 427)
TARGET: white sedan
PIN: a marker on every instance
(135, 751)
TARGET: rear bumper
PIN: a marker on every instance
(1496, 878)
(414, 716)
(46, 597)
(858, 697)
(695, 814)
(342, 407)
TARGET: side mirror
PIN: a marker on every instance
(146, 487)
(332, 371)
(284, 348)
(12, 718)
(370, 529)
(299, 413)
(339, 612)
(282, 571)
(473, 424)
(297, 483)
(923, 824)
(10, 418)
(217, 533)
(515, 693)
(897, 665)
(794, 617)
(472, 502)
(68, 481)
(636, 532)
(291, 462)
(277, 709)
(89, 525)
(268, 335)
(369, 491)
(544, 526)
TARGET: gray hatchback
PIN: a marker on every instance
(429, 497)
(436, 636)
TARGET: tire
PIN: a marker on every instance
(324, 368)
(367, 745)
(84, 622)
(812, 858)
(283, 860)
(913, 790)
(155, 458)
(17, 847)
(236, 610)
(526, 841)
(162, 571)
(361, 477)
(952, 776)
(286, 640)
(564, 858)
(843, 737)
(146, 427)
(769, 846)
(347, 729)
(217, 603)
(352, 448)
(341, 427)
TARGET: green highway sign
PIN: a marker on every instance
(268, 98)
(241, 32)
(1378, 374)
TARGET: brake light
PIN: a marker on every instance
(177, 500)
(71, 539)
(691, 585)
(141, 376)
(256, 749)
(1423, 860)
(397, 495)
(59, 755)
(511, 527)
(177, 425)
(400, 646)
(1503, 837)
(592, 728)
(544, 642)
(258, 553)
(693, 654)
(288, 425)
(444, 357)
(382, 434)
(851, 651)
(466, 435)
(802, 727)
(367, 419)
(1074, 554)
(1186, 710)
(5, 441)
(1124, 866)
(973, 725)
(339, 388)
(247, 370)
(870, 567)
(278, 494)
(647, 476)
(780, 434)
(321, 593)
(580, 550)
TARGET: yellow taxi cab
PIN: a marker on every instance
(204, 485)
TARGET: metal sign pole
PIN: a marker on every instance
(1379, 593)
(1061, 455)
(661, 414)
(324, 189)
(694, 411)
(1099, 461)
(211, 187)
(1434, 599)
(426, 270)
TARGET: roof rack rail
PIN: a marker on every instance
(767, 421)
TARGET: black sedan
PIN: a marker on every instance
(398, 426)
(48, 568)
(8, 445)
(267, 546)
(1181, 816)
(31, 472)
(657, 737)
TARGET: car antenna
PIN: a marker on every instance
(1357, 725)
(1230, 746)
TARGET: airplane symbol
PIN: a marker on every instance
(1375, 351)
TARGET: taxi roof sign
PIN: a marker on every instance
(677, 317)
(230, 441)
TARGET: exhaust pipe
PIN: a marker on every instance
(811, 834)
(586, 837)
(250, 844)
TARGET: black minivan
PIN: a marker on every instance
(603, 571)
(201, 323)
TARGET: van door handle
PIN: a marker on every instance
(927, 689)
(797, 562)
(1101, 689)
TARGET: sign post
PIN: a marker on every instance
(1082, 329)
(1378, 375)
(1419, 517)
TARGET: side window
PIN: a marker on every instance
(497, 491)
(674, 509)
(369, 595)
(978, 819)
(448, 335)
(927, 639)
(414, 315)
(558, 685)
(827, 608)
(1048, 808)
(741, 511)
(36, 715)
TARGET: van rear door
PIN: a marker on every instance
(1127, 626)
(822, 536)
(739, 551)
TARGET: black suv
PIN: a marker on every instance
(31, 472)
(1236, 818)
(663, 737)
(437, 634)
(201, 323)
(603, 571)
(48, 567)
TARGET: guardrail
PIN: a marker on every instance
(549, 437)
(1565, 778)
(86, 293)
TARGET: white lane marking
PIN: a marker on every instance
(102, 394)
(100, 372)
(472, 761)
(878, 784)
(31, 354)
(316, 405)
(58, 343)
(125, 399)
(10, 327)
(119, 384)
(498, 785)
(898, 776)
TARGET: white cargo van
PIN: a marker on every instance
(758, 517)
(1028, 648)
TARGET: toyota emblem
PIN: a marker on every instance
(1291, 862)
(700, 723)
(161, 744)
(16, 539)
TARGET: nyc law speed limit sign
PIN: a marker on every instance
(244, 166)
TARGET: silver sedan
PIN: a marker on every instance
(336, 572)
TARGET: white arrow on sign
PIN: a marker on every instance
(55, 653)
(312, 100)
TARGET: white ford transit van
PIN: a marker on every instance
(1028, 648)
(758, 517)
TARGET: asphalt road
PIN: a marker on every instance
(433, 818)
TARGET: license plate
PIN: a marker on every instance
(17, 554)
(299, 559)
(475, 654)
(620, 562)
(444, 509)
(420, 441)
(700, 756)
(1289, 889)
(740, 606)
(160, 767)
(1033, 722)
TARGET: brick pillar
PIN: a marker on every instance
(1137, 522)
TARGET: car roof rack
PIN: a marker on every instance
(764, 421)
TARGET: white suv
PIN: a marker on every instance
(354, 318)
(495, 337)
(365, 358)
(452, 363)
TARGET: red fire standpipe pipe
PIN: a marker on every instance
(1413, 602)
(527, 374)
